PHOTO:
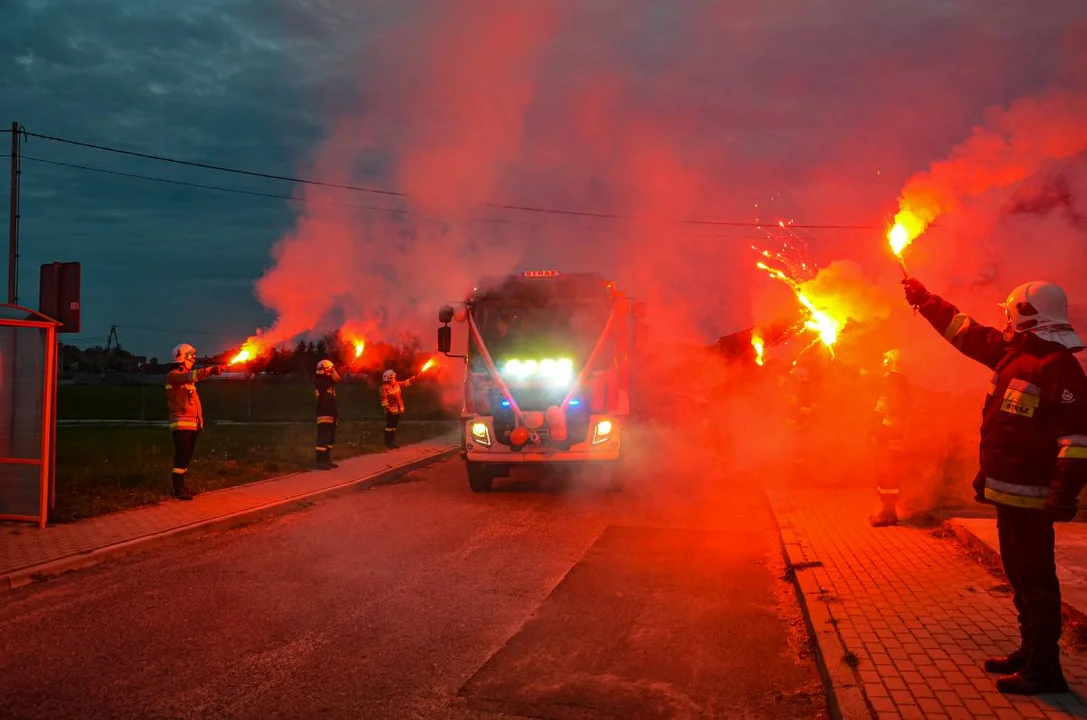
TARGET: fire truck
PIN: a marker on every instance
(548, 372)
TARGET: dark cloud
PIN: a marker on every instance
(650, 108)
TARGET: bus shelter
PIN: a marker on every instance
(28, 383)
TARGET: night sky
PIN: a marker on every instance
(826, 106)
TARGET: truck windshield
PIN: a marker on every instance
(557, 328)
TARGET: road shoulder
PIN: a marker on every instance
(30, 554)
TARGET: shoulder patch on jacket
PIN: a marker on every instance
(1067, 397)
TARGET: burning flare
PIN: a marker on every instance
(427, 365)
(820, 321)
(760, 348)
(907, 227)
(244, 355)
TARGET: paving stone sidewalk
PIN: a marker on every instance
(25, 549)
(904, 616)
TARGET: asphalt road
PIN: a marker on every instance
(548, 598)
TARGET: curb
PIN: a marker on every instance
(845, 695)
(990, 558)
(38, 573)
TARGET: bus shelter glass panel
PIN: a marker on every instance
(23, 377)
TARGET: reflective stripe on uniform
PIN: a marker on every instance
(183, 424)
(325, 419)
(1014, 500)
(179, 471)
(1021, 398)
(1037, 491)
(320, 448)
(957, 328)
(887, 491)
(1024, 496)
(1073, 447)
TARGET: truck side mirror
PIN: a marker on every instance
(445, 339)
(445, 315)
(638, 310)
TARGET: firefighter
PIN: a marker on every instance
(805, 379)
(392, 402)
(328, 415)
(1033, 457)
(186, 413)
(888, 417)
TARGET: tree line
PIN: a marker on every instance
(406, 356)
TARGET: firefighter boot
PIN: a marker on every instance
(180, 491)
(328, 459)
(887, 515)
(1008, 664)
(1040, 675)
(323, 461)
(390, 439)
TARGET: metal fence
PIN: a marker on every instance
(139, 398)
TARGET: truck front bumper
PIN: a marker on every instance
(587, 451)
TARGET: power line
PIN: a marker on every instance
(278, 196)
(392, 193)
(207, 166)
(202, 186)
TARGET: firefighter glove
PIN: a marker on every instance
(916, 294)
(1058, 511)
(979, 487)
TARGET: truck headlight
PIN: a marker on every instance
(602, 432)
(481, 433)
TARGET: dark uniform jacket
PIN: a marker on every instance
(1034, 421)
(325, 390)
(892, 406)
(182, 400)
(392, 401)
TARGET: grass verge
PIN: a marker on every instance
(105, 469)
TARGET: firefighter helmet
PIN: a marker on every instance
(891, 359)
(388, 376)
(184, 353)
(1041, 307)
(325, 367)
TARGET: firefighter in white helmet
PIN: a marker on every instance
(888, 420)
(328, 414)
(1033, 457)
(392, 402)
(186, 413)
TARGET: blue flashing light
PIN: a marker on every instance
(505, 403)
(575, 403)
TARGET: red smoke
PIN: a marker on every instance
(667, 113)
(462, 81)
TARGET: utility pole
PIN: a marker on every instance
(13, 219)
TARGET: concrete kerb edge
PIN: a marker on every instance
(990, 558)
(36, 573)
(845, 695)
